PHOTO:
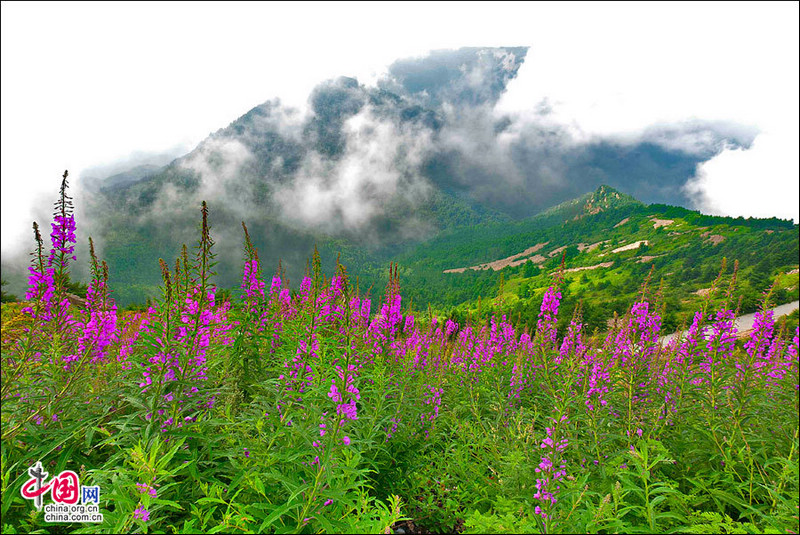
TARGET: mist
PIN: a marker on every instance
(374, 164)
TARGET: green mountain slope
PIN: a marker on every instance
(609, 242)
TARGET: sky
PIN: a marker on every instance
(93, 87)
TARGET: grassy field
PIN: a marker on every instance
(321, 410)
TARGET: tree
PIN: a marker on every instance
(6, 297)
(530, 269)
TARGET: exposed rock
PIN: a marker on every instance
(644, 259)
(584, 268)
(74, 300)
(513, 260)
(589, 248)
(661, 222)
(630, 246)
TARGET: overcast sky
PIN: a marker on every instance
(88, 85)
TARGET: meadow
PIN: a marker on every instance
(322, 409)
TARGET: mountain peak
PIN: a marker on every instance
(604, 198)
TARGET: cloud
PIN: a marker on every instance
(380, 168)
(380, 164)
(759, 181)
(359, 155)
(219, 162)
(466, 77)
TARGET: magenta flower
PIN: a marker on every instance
(145, 488)
(142, 514)
(546, 326)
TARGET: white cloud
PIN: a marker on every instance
(761, 181)
(218, 162)
(381, 163)
(85, 84)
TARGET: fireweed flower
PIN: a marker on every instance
(305, 289)
(252, 285)
(790, 359)
(40, 288)
(100, 330)
(62, 237)
(546, 325)
(145, 488)
(391, 431)
(719, 345)
(572, 343)
(690, 345)
(434, 400)
(299, 373)
(551, 469)
(646, 324)
(791, 350)
(128, 333)
(347, 409)
(758, 345)
(276, 285)
(194, 333)
(599, 379)
(141, 513)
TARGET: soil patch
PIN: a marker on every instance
(589, 248)
(513, 260)
(662, 222)
(644, 259)
(630, 246)
(584, 268)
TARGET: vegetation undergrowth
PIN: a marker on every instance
(316, 411)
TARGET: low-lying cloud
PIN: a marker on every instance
(381, 165)
(360, 154)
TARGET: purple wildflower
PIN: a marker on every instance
(141, 513)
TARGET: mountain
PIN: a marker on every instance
(602, 199)
(372, 171)
(608, 243)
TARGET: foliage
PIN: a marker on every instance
(314, 411)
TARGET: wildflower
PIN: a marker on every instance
(141, 513)
(551, 469)
(145, 488)
(546, 326)
(346, 440)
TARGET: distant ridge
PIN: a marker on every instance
(602, 199)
